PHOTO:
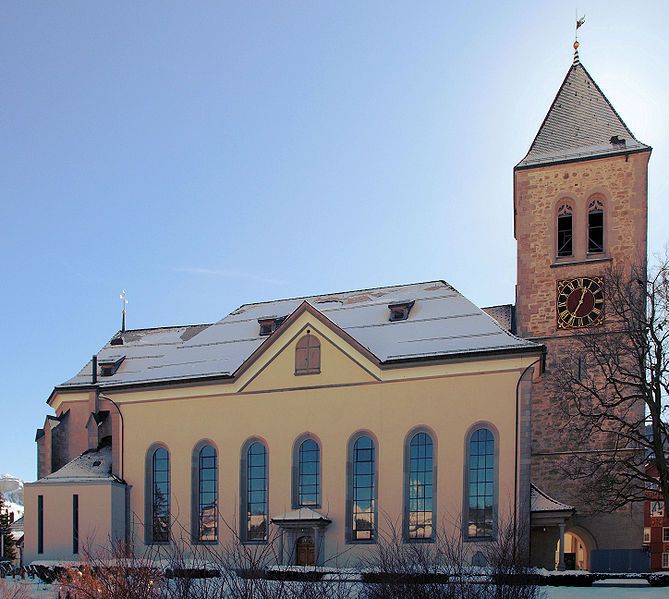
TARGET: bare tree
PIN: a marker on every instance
(613, 390)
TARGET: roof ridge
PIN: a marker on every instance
(307, 297)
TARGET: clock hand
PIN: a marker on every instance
(580, 302)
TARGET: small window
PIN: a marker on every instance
(40, 524)
(665, 535)
(596, 227)
(564, 231)
(308, 355)
(400, 310)
(657, 509)
(75, 524)
(665, 560)
(269, 324)
(646, 535)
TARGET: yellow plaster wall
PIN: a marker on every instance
(448, 399)
(101, 517)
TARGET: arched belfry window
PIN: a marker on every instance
(308, 355)
(595, 227)
(481, 491)
(205, 493)
(565, 236)
(158, 495)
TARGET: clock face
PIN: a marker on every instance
(580, 302)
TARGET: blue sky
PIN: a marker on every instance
(204, 155)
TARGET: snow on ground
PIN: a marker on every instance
(39, 590)
(603, 592)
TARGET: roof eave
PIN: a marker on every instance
(537, 349)
(522, 167)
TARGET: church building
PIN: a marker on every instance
(319, 423)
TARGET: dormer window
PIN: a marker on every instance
(109, 366)
(269, 324)
(400, 310)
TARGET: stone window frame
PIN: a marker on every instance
(308, 354)
(406, 490)
(665, 534)
(349, 488)
(243, 491)
(148, 493)
(596, 203)
(665, 560)
(465, 488)
(295, 471)
(195, 491)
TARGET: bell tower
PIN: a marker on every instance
(580, 206)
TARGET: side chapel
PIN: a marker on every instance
(315, 422)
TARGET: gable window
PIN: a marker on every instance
(564, 231)
(308, 472)
(308, 355)
(595, 227)
(362, 490)
(480, 491)
(419, 493)
(206, 494)
(160, 496)
(254, 493)
(400, 310)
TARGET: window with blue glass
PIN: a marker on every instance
(419, 494)
(207, 514)
(256, 492)
(160, 495)
(481, 483)
(308, 474)
(363, 490)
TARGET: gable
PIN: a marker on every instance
(340, 362)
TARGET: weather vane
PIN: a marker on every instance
(124, 301)
(579, 24)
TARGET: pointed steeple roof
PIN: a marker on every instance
(580, 124)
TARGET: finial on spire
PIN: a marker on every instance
(125, 303)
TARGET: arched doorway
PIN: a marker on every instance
(304, 552)
(576, 551)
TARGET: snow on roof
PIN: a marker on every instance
(542, 502)
(89, 466)
(301, 514)
(442, 323)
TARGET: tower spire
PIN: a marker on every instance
(123, 299)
